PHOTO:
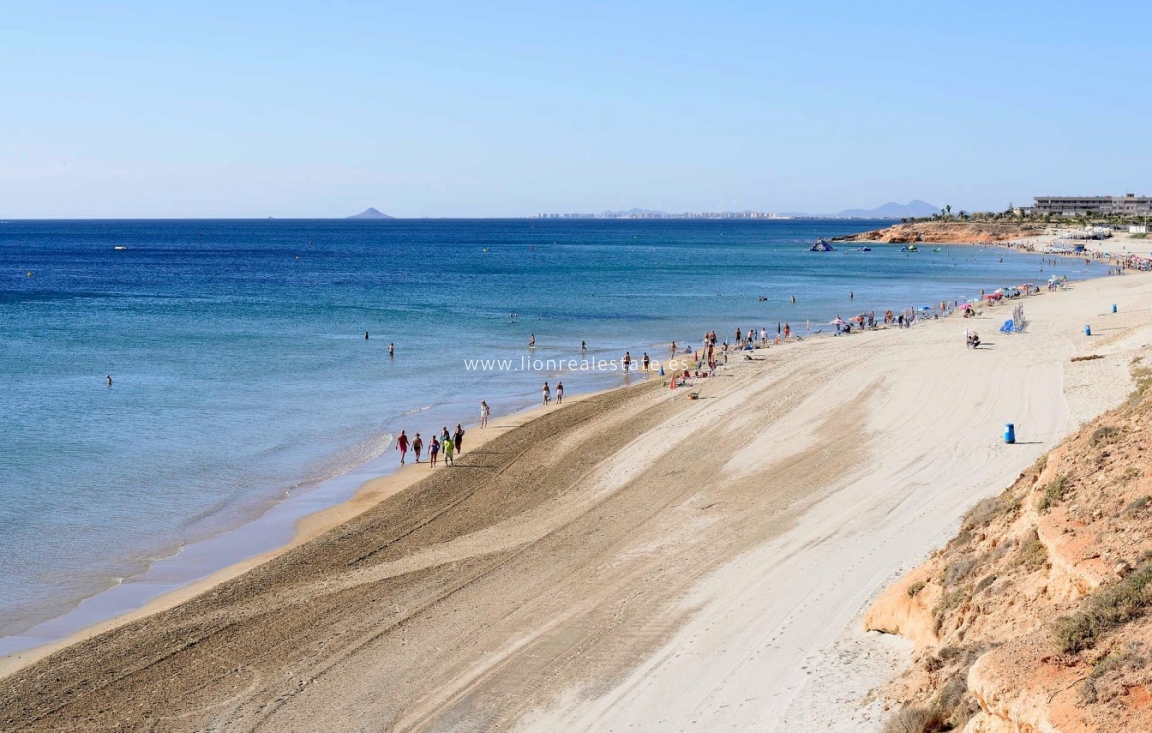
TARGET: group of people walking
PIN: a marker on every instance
(450, 444)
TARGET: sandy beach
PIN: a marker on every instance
(633, 560)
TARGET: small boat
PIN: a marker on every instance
(119, 246)
(937, 249)
(485, 250)
(821, 246)
(909, 248)
(864, 249)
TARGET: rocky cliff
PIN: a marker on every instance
(1037, 617)
(943, 232)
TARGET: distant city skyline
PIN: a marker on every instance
(507, 110)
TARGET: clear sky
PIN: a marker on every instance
(225, 109)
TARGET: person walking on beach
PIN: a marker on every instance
(559, 392)
(547, 394)
(458, 439)
(433, 451)
(447, 451)
(402, 446)
(647, 361)
(484, 414)
(417, 446)
(672, 351)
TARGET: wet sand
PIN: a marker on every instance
(633, 559)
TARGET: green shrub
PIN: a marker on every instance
(915, 588)
(986, 581)
(1054, 492)
(983, 512)
(1107, 608)
(912, 720)
(1105, 435)
(1137, 506)
(956, 572)
(948, 601)
(1033, 553)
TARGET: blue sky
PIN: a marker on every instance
(502, 109)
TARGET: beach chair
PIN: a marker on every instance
(1008, 327)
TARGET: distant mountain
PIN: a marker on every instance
(892, 210)
(370, 213)
(632, 212)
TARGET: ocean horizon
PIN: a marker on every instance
(250, 374)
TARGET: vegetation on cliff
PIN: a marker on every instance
(1038, 614)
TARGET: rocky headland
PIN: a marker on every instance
(946, 232)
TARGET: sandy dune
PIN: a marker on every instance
(636, 560)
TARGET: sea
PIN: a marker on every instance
(251, 382)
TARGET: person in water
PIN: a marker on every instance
(402, 446)
(559, 392)
(547, 394)
(391, 349)
(647, 361)
(417, 446)
(583, 348)
(532, 341)
(627, 360)
(365, 335)
(109, 378)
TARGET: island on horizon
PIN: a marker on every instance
(370, 213)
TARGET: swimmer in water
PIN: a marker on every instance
(109, 378)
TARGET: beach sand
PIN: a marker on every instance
(633, 560)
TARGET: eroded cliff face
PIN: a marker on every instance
(1037, 617)
(947, 233)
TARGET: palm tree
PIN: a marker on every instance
(948, 208)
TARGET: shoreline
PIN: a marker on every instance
(371, 496)
(142, 594)
(309, 524)
(305, 523)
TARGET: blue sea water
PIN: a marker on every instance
(241, 375)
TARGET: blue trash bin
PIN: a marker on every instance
(1009, 433)
(1087, 330)
(1113, 307)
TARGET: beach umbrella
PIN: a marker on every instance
(838, 322)
(964, 307)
